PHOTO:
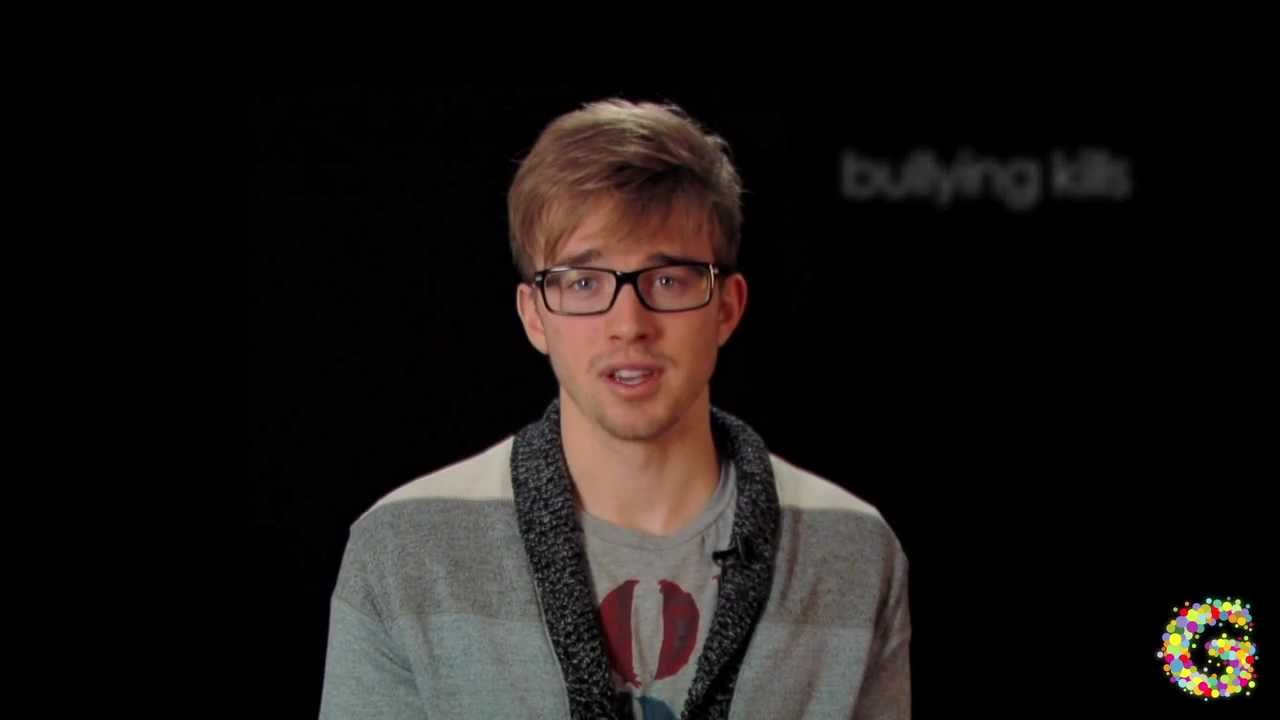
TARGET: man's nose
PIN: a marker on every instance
(629, 319)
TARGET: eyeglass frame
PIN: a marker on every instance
(632, 278)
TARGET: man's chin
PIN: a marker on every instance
(638, 426)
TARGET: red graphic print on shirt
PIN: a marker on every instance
(680, 618)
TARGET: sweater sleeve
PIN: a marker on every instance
(886, 689)
(367, 674)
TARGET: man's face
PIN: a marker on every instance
(682, 345)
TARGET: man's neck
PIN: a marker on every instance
(657, 487)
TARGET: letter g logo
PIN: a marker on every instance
(1224, 667)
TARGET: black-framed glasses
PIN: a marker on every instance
(674, 287)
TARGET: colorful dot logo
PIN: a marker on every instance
(1229, 656)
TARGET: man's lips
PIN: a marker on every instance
(613, 368)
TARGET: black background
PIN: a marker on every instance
(1063, 412)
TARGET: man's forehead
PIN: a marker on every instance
(596, 255)
(599, 238)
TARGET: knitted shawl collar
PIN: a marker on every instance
(552, 536)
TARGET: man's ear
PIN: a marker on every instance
(733, 303)
(527, 309)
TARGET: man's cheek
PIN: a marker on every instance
(554, 355)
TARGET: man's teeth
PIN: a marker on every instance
(631, 375)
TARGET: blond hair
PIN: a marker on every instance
(649, 164)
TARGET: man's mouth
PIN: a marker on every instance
(632, 377)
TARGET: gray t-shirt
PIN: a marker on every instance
(656, 596)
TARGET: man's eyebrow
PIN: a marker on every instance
(581, 258)
(594, 254)
(663, 258)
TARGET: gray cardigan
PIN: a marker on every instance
(466, 593)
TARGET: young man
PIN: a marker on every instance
(636, 552)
